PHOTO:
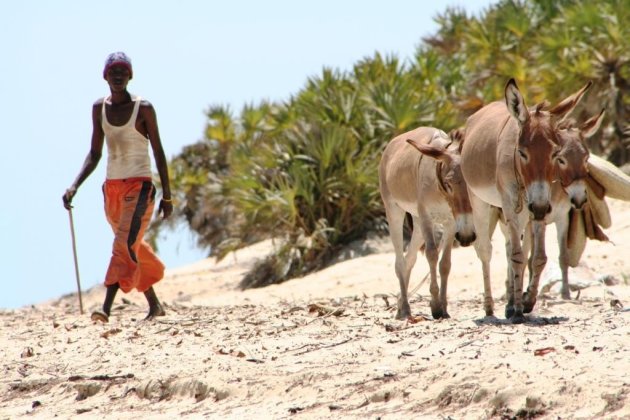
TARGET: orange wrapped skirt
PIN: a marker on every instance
(129, 206)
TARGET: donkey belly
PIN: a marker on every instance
(408, 206)
(488, 194)
(438, 212)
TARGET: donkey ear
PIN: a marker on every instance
(457, 134)
(431, 151)
(565, 107)
(515, 102)
(591, 126)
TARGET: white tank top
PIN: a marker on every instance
(127, 149)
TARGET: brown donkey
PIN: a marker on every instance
(573, 202)
(420, 174)
(508, 161)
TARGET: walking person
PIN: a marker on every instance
(128, 124)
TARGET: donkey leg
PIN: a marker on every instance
(411, 257)
(395, 218)
(432, 253)
(527, 244)
(539, 260)
(485, 223)
(509, 285)
(445, 270)
(562, 228)
(517, 266)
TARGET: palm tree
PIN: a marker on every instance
(593, 44)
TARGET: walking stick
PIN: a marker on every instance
(76, 261)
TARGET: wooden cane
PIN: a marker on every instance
(76, 261)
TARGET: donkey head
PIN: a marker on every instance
(572, 158)
(537, 145)
(451, 183)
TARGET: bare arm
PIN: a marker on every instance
(92, 159)
(150, 118)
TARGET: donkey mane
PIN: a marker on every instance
(541, 106)
(543, 126)
(457, 137)
(567, 124)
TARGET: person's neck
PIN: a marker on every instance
(119, 98)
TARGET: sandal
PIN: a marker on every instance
(100, 316)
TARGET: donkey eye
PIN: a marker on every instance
(561, 161)
(522, 154)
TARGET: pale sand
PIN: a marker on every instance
(275, 353)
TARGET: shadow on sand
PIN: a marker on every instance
(539, 321)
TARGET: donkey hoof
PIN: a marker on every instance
(440, 314)
(438, 311)
(509, 312)
(517, 318)
(528, 307)
(528, 303)
(403, 314)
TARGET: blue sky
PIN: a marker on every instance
(187, 56)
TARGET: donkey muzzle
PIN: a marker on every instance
(465, 240)
(577, 194)
(539, 211)
(578, 203)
